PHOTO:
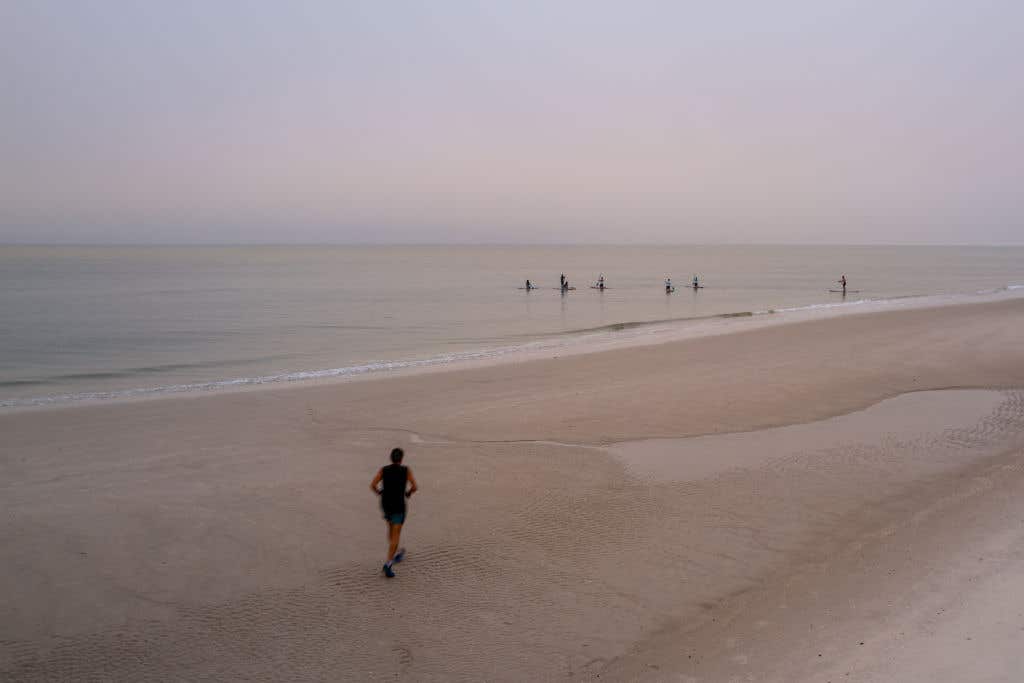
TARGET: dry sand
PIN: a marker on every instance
(233, 537)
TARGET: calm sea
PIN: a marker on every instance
(91, 323)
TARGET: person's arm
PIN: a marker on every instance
(376, 480)
(413, 488)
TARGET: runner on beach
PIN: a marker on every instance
(393, 480)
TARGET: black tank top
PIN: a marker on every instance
(392, 497)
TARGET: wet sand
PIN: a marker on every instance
(232, 536)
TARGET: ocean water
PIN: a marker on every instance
(79, 324)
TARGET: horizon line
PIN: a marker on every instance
(510, 244)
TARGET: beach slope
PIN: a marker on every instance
(593, 515)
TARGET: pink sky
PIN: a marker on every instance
(525, 122)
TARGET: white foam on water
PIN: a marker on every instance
(815, 307)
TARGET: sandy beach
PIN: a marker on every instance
(831, 500)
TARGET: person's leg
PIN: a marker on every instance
(394, 532)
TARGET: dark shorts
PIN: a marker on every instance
(394, 517)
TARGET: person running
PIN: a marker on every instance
(668, 285)
(393, 480)
(696, 282)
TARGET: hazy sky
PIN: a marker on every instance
(555, 121)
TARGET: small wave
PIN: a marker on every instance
(366, 328)
(154, 369)
(635, 324)
(302, 375)
(1004, 288)
(814, 307)
(22, 383)
(186, 291)
(111, 374)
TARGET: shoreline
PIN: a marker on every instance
(613, 336)
(232, 535)
(708, 357)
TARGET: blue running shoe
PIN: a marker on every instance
(399, 556)
(388, 571)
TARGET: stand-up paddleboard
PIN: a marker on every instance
(528, 289)
(564, 289)
(849, 291)
(601, 288)
(697, 287)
